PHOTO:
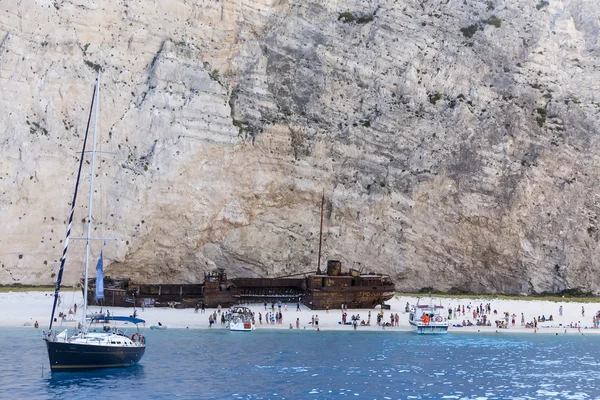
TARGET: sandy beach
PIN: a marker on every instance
(25, 308)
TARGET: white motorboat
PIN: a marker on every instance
(240, 319)
(158, 326)
(427, 317)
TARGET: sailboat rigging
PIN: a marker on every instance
(87, 349)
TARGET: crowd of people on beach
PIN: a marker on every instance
(271, 318)
(276, 317)
(480, 315)
(458, 315)
(68, 317)
(215, 317)
(464, 314)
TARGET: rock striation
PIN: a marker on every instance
(456, 142)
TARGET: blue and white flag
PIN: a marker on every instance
(100, 279)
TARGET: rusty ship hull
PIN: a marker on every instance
(317, 291)
(327, 292)
(328, 298)
(216, 290)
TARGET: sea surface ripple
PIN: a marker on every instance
(305, 364)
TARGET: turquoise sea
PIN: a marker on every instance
(291, 364)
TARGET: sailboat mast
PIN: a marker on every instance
(63, 259)
(91, 200)
(321, 233)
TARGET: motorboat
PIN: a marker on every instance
(158, 326)
(427, 317)
(240, 319)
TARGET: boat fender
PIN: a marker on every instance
(438, 318)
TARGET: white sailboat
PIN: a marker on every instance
(87, 349)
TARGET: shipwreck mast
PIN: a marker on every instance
(321, 233)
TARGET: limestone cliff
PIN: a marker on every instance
(456, 141)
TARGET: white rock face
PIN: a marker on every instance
(456, 142)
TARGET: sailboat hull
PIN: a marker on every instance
(66, 356)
